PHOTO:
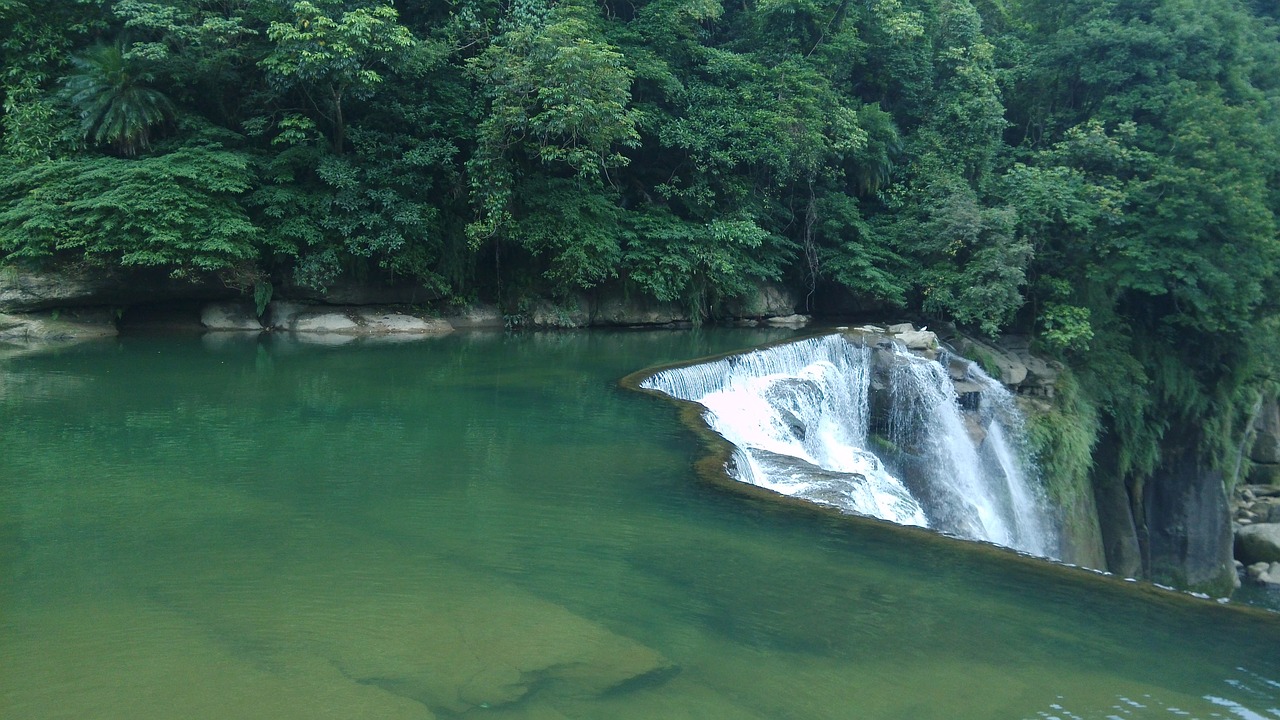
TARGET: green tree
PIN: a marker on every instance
(114, 101)
(1146, 145)
(557, 96)
(332, 56)
(203, 53)
(177, 210)
(35, 50)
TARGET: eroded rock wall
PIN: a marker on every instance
(1187, 526)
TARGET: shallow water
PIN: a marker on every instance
(486, 526)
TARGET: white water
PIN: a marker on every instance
(799, 415)
(1005, 444)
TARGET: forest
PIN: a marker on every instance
(1103, 175)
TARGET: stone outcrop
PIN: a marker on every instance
(352, 321)
(57, 325)
(572, 312)
(230, 316)
(1257, 504)
(1187, 524)
(1011, 362)
(1002, 366)
(475, 316)
(1116, 521)
(768, 300)
(1264, 452)
(636, 309)
(25, 290)
(920, 340)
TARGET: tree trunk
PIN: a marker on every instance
(339, 124)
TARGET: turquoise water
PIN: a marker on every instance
(486, 526)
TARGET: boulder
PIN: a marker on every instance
(1264, 573)
(790, 321)
(1267, 510)
(917, 339)
(231, 316)
(900, 328)
(55, 325)
(968, 395)
(1259, 572)
(1259, 542)
(1012, 371)
(958, 368)
(1041, 375)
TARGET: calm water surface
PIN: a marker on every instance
(486, 526)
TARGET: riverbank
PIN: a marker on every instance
(69, 304)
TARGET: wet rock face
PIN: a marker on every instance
(49, 326)
(1012, 363)
(1188, 527)
(765, 301)
(24, 290)
(230, 316)
(1265, 450)
(352, 321)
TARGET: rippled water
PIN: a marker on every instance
(486, 526)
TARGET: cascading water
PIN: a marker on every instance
(1005, 447)
(800, 416)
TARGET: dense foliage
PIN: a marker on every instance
(1103, 174)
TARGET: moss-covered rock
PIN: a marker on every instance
(1062, 434)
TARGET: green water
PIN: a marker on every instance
(486, 526)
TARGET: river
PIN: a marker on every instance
(487, 526)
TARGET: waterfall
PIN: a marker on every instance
(1005, 445)
(800, 416)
